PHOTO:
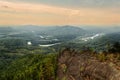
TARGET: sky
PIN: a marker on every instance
(60, 12)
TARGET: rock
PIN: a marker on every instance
(84, 67)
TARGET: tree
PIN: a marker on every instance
(115, 48)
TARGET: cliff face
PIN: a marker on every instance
(83, 66)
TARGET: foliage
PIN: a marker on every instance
(101, 57)
(19, 61)
(31, 67)
(115, 48)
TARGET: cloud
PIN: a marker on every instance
(4, 6)
(36, 8)
(75, 3)
(32, 13)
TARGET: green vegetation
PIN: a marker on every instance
(31, 67)
(19, 61)
(112, 53)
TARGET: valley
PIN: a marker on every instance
(33, 52)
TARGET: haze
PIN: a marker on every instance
(59, 12)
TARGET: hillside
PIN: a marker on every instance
(74, 65)
(69, 64)
(31, 67)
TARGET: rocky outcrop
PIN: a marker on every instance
(83, 66)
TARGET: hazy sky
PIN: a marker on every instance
(60, 12)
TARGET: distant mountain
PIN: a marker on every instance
(44, 34)
(53, 30)
(5, 30)
(102, 29)
(66, 30)
(97, 42)
(62, 34)
(103, 42)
